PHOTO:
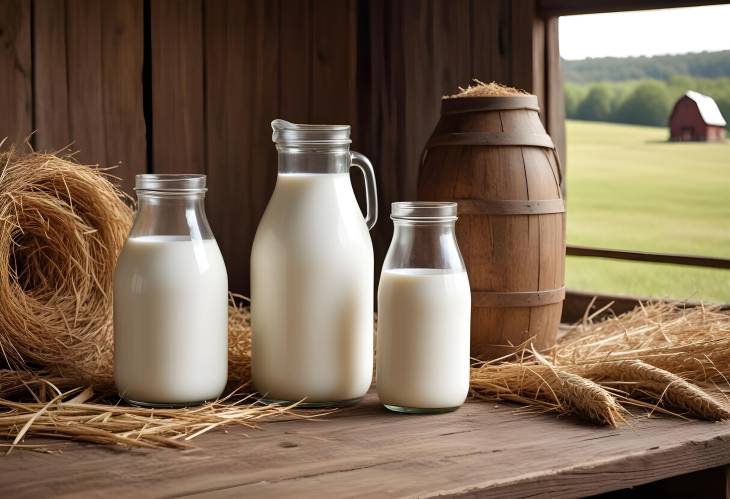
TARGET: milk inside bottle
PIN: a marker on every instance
(423, 340)
(312, 273)
(424, 311)
(170, 299)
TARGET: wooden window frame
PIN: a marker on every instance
(548, 85)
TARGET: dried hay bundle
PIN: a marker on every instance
(61, 227)
(540, 385)
(481, 89)
(660, 356)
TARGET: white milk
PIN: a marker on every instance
(170, 320)
(423, 338)
(312, 292)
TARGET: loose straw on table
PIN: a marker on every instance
(662, 357)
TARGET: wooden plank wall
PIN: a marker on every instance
(88, 86)
(192, 85)
(16, 96)
(414, 53)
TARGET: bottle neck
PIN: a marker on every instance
(171, 214)
(300, 160)
(429, 245)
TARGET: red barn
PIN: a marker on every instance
(696, 117)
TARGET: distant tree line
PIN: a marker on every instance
(643, 90)
(640, 102)
(663, 67)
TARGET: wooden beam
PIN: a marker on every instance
(550, 8)
(714, 484)
(641, 256)
(554, 94)
(16, 100)
(177, 86)
(580, 303)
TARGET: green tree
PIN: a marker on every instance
(648, 104)
(723, 103)
(597, 104)
(572, 100)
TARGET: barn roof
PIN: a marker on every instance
(709, 111)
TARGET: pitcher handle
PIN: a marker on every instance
(371, 190)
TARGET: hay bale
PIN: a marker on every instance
(62, 225)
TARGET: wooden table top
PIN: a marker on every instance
(483, 448)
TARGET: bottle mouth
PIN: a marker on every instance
(424, 211)
(185, 183)
(289, 134)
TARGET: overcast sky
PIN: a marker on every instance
(648, 32)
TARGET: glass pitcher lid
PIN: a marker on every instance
(287, 133)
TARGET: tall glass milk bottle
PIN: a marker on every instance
(312, 273)
(170, 298)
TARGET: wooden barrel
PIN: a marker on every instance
(493, 156)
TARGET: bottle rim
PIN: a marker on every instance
(171, 182)
(424, 211)
(287, 134)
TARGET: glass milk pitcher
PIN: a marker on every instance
(312, 273)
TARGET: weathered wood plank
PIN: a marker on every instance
(91, 54)
(51, 75)
(177, 86)
(16, 99)
(554, 105)
(333, 90)
(241, 47)
(491, 37)
(481, 449)
(85, 88)
(524, 42)
(296, 40)
(121, 68)
(643, 256)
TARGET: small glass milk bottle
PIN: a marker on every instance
(424, 310)
(170, 299)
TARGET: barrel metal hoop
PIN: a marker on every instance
(454, 105)
(510, 207)
(491, 139)
(517, 298)
(490, 107)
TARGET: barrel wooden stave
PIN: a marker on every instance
(502, 253)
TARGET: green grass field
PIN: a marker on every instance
(628, 188)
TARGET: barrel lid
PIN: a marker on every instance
(454, 105)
